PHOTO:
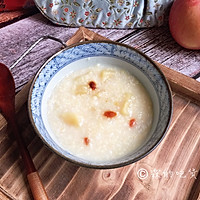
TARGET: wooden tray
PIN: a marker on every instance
(170, 172)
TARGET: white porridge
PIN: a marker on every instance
(100, 113)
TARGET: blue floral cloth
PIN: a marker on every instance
(105, 13)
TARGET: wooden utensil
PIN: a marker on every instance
(7, 107)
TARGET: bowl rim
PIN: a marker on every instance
(104, 166)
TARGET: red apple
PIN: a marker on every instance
(184, 23)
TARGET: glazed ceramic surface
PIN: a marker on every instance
(86, 55)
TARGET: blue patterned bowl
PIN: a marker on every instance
(82, 55)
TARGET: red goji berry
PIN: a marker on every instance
(132, 122)
(92, 85)
(110, 114)
(86, 140)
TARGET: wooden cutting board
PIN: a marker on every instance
(170, 172)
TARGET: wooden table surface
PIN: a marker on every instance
(22, 28)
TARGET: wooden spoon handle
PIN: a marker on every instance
(33, 177)
(36, 186)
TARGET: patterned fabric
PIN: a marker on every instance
(105, 13)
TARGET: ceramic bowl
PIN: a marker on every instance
(86, 54)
